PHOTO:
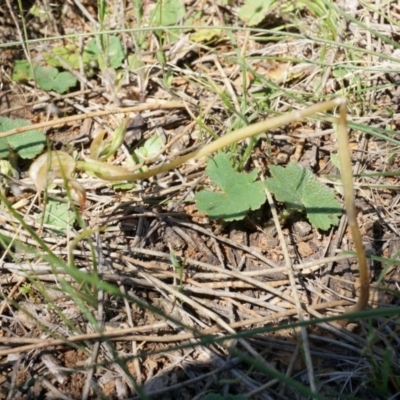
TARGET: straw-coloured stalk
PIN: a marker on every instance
(114, 173)
(348, 191)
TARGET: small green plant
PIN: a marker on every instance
(90, 56)
(21, 71)
(295, 186)
(50, 78)
(299, 189)
(150, 148)
(47, 77)
(101, 149)
(27, 144)
(254, 12)
(239, 192)
(26, 289)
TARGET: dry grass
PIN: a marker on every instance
(98, 310)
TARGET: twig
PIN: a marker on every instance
(142, 107)
(295, 295)
(124, 334)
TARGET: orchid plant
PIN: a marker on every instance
(58, 164)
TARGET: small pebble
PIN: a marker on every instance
(302, 228)
(282, 158)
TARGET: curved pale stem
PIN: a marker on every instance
(112, 173)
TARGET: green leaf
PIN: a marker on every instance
(49, 78)
(254, 11)
(91, 51)
(135, 63)
(114, 51)
(123, 186)
(57, 216)
(45, 77)
(64, 81)
(68, 53)
(339, 72)
(205, 35)
(239, 194)
(168, 12)
(21, 71)
(299, 189)
(36, 11)
(27, 144)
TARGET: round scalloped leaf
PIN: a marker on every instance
(298, 188)
(44, 77)
(238, 195)
(49, 78)
(27, 144)
(63, 82)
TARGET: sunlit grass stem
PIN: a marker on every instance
(348, 190)
(115, 173)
